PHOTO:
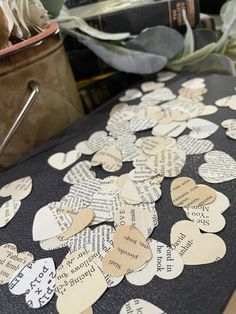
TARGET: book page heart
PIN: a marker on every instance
(194, 247)
(219, 167)
(201, 128)
(192, 93)
(173, 129)
(230, 124)
(11, 261)
(74, 267)
(140, 306)
(18, 189)
(37, 281)
(153, 144)
(80, 172)
(61, 161)
(193, 146)
(166, 263)
(127, 147)
(7, 211)
(184, 193)
(130, 252)
(229, 101)
(157, 96)
(110, 158)
(150, 86)
(194, 83)
(165, 76)
(208, 110)
(131, 94)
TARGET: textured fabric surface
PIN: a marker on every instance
(199, 289)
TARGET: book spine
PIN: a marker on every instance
(134, 20)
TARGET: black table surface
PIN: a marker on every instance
(199, 289)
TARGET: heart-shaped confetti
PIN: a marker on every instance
(80, 172)
(127, 147)
(138, 123)
(150, 86)
(131, 94)
(194, 83)
(110, 158)
(151, 145)
(184, 193)
(8, 211)
(11, 261)
(201, 128)
(219, 167)
(18, 189)
(130, 252)
(157, 96)
(173, 129)
(166, 263)
(61, 161)
(193, 146)
(229, 101)
(109, 184)
(208, 110)
(140, 306)
(194, 247)
(230, 124)
(165, 76)
(37, 281)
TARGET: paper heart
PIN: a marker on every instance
(157, 96)
(229, 101)
(208, 110)
(119, 128)
(11, 261)
(110, 158)
(150, 86)
(126, 145)
(138, 124)
(165, 76)
(131, 94)
(80, 172)
(130, 252)
(166, 263)
(230, 124)
(61, 161)
(151, 145)
(83, 278)
(137, 305)
(173, 115)
(193, 146)
(141, 191)
(194, 83)
(184, 193)
(109, 184)
(18, 189)
(219, 167)
(124, 109)
(142, 173)
(201, 128)
(73, 202)
(194, 247)
(80, 220)
(192, 93)
(173, 129)
(193, 107)
(37, 281)
(49, 223)
(8, 211)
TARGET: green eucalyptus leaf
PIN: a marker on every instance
(160, 40)
(203, 37)
(120, 58)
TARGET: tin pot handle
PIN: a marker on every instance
(34, 87)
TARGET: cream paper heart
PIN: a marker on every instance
(80, 172)
(192, 93)
(219, 167)
(36, 280)
(11, 261)
(110, 158)
(173, 129)
(151, 145)
(18, 189)
(109, 184)
(194, 247)
(157, 96)
(230, 124)
(73, 202)
(194, 83)
(123, 111)
(193, 146)
(208, 110)
(140, 306)
(166, 263)
(165, 76)
(131, 94)
(201, 128)
(119, 128)
(77, 276)
(49, 222)
(139, 123)
(8, 211)
(185, 193)
(229, 101)
(150, 86)
(127, 147)
(193, 107)
(61, 161)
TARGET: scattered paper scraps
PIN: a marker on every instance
(11, 261)
(110, 158)
(61, 161)
(18, 189)
(230, 125)
(80, 172)
(201, 128)
(193, 146)
(150, 86)
(7, 211)
(208, 110)
(131, 251)
(229, 101)
(172, 129)
(49, 222)
(131, 94)
(80, 221)
(166, 263)
(194, 247)
(96, 142)
(126, 146)
(137, 217)
(185, 193)
(140, 306)
(157, 96)
(165, 76)
(141, 191)
(152, 145)
(36, 280)
(79, 283)
(219, 167)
